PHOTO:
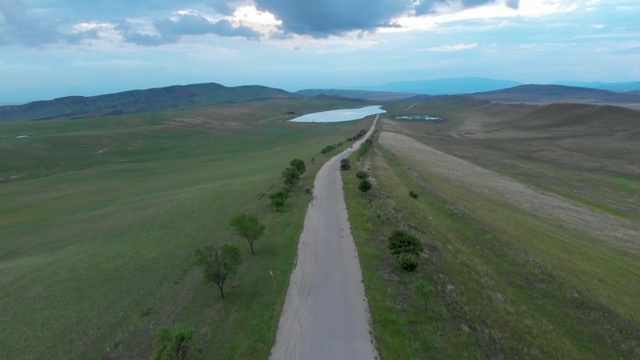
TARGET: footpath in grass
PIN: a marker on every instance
(491, 297)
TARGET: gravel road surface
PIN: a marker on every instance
(326, 313)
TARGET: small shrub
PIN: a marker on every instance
(408, 262)
(362, 175)
(424, 292)
(279, 198)
(172, 343)
(365, 186)
(345, 164)
(413, 194)
(401, 242)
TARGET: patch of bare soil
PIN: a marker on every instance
(606, 227)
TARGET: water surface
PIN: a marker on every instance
(340, 114)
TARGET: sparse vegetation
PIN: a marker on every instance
(249, 227)
(172, 343)
(424, 292)
(219, 263)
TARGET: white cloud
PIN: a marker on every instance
(450, 48)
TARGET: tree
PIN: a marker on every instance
(365, 186)
(249, 227)
(362, 175)
(219, 263)
(401, 242)
(278, 199)
(298, 164)
(291, 176)
(425, 291)
(172, 343)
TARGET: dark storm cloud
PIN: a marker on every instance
(170, 30)
(21, 26)
(427, 6)
(320, 18)
(194, 24)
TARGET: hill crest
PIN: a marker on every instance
(137, 101)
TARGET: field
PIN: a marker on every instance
(508, 280)
(100, 219)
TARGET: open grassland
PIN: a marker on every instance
(99, 221)
(507, 283)
(583, 152)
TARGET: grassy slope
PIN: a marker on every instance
(582, 152)
(97, 239)
(507, 285)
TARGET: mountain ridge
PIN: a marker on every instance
(136, 101)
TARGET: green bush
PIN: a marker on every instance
(172, 343)
(279, 198)
(413, 194)
(365, 186)
(345, 164)
(401, 242)
(299, 165)
(291, 176)
(362, 175)
(408, 262)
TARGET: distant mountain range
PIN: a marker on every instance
(449, 86)
(136, 101)
(357, 94)
(173, 97)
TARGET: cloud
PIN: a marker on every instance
(321, 18)
(78, 36)
(21, 26)
(170, 30)
(450, 48)
(223, 7)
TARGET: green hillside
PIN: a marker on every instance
(100, 219)
(137, 101)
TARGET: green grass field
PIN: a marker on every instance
(99, 220)
(507, 283)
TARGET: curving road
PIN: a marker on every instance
(326, 313)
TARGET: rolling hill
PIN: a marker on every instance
(136, 101)
(357, 94)
(557, 93)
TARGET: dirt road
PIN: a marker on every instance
(326, 313)
(611, 229)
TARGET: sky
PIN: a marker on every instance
(53, 48)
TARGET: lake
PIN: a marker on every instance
(340, 114)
